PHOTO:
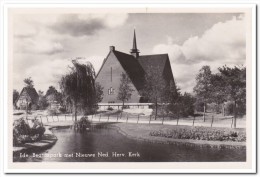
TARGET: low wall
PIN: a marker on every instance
(105, 106)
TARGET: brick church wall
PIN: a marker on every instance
(108, 81)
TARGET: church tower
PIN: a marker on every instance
(134, 51)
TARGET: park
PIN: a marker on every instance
(169, 127)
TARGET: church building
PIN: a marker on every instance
(134, 66)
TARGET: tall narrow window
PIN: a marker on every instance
(111, 74)
(111, 91)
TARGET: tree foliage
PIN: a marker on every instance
(53, 94)
(51, 90)
(28, 82)
(78, 87)
(234, 87)
(155, 87)
(228, 85)
(125, 90)
(43, 104)
(172, 96)
(15, 96)
(99, 92)
(203, 85)
(218, 94)
(179, 104)
(187, 105)
(234, 82)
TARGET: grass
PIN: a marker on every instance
(156, 132)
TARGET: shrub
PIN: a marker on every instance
(110, 109)
(126, 107)
(82, 124)
(241, 108)
(62, 110)
(229, 108)
(199, 133)
(35, 107)
(22, 133)
(53, 112)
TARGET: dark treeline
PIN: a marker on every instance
(223, 92)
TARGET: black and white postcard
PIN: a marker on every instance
(126, 88)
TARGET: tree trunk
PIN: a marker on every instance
(178, 117)
(26, 112)
(123, 105)
(122, 109)
(235, 114)
(223, 109)
(155, 110)
(204, 111)
(75, 110)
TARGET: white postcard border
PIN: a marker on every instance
(125, 167)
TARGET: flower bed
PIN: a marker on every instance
(201, 133)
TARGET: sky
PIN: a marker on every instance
(45, 44)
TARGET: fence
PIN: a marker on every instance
(51, 118)
(211, 121)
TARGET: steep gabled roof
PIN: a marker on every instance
(159, 60)
(31, 92)
(51, 97)
(132, 68)
(137, 67)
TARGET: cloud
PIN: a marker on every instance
(44, 42)
(23, 28)
(47, 34)
(45, 74)
(28, 25)
(174, 51)
(32, 35)
(224, 41)
(49, 72)
(223, 44)
(73, 25)
(87, 24)
(33, 46)
(184, 76)
(109, 20)
(96, 61)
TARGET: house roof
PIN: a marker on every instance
(51, 97)
(31, 92)
(132, 68)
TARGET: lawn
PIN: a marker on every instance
(146, 132)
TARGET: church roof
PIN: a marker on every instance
(136, 67)
(158, 60)
(132, 68)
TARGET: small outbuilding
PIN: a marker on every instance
(28, 99)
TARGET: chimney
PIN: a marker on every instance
(112, 48)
